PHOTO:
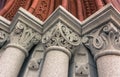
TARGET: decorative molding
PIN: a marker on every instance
(61, 35)
(29, 19)
(61, 14)
(5, 24)
(104, 40)
(59, 48)
(106, 14)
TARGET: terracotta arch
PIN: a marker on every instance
(116, 3)
(12, 6)
(2, 3)
(42, 9)
(33, 6)
(7, 7)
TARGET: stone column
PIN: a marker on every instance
(108, 63)
(105, 46)
(56, 62)
(22, 38)
(58, 50)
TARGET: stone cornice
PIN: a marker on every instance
(104, 15)
(107, 14)
(27, 18)
(61, 14)
(4, 24)
(101, 32)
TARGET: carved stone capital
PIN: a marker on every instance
(103, 41)
(24, 37)
(61, 35)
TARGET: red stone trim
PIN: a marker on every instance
(7, 7)
(116, 3)
(33, 6)
(79, 10)
(11, 8)
(42, 9)
(65, 4)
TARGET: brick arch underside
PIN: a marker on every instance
(81, 9)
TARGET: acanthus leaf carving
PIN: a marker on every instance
(61, 35)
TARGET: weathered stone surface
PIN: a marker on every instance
(56, 62)
(68, 45)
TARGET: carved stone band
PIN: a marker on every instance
(59, 48)
(106, 52)
(18, 47)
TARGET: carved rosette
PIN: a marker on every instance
(24, 37)
(61, 35)
(103, 41)
(3, 37)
